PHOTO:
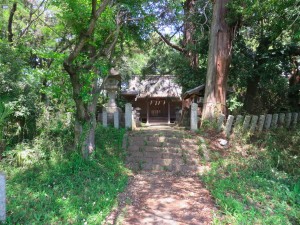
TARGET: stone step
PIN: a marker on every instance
(154, 167)
(163, 144)
(166, 151)
(163, 137)
(159, 134)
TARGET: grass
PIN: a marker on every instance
(64, 188)
(260, 185)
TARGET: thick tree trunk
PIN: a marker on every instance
(85, 134)
(85, 118)
(219, 59)
(189, 42)
(251, 102)
(294, 81)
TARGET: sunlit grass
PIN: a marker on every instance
(65, 189)
(261, 188)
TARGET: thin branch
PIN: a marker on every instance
(31, 21)
(111, 48)
(84, 37)
(168, 42)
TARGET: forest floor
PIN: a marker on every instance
(165, 187)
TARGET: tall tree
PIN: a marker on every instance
(85, 123)
(183, 27)
(270, 48)
(219, 58)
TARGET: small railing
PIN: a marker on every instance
(251, 123)
(257, 123)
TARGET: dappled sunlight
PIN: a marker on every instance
(69, 189)
(254, 187)
(166, 199)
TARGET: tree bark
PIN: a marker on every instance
(189, 42)
(85, 118)
(294, 81)
(252, 103)
(219, 58)
(10, 21)
(187, 47)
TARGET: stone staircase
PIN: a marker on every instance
(163, 150)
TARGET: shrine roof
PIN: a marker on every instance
(153, 86)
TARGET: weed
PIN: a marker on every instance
(261, 187)
(188, 136)
(184, 156)
(128, 201)
(204, 152)
(63, 188)
(209, 125)
(145, 143)
(165, 168)
(140, 165)
(200, 151)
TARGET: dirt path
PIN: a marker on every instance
(165, 188)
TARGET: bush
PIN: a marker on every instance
(51, 186)
(259, 184)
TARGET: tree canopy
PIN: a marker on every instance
(54, 55)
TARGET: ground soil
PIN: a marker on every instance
(166, 186)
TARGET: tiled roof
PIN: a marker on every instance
(153, 86)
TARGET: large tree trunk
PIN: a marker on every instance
(219, 58)
(85, 132)
(85, 118)
(252, 103)
(294, 81)
(189, 42)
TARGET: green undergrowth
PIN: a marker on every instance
(258, 181)
(63, 188)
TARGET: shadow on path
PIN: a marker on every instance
(164, 188)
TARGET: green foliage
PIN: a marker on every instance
(234, 105)
(164, 60)
(10, 75)
(284, 157)
(209, 125)
(4, 114)
(18, 91)
(261, 51)
(258, 182)
(63, 188)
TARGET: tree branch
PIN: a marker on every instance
(168, 42)
(111, 48)
(10, 21)
(84, 38)
(31, 21)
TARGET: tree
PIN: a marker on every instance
(269, 48)
(219, 58)
(181, 26)
(190, 18)
(85, 108)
